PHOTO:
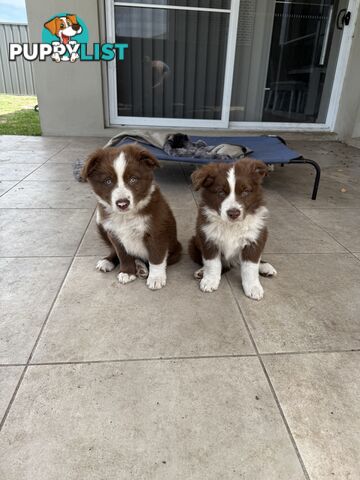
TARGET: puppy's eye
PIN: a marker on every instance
(245, 193)
(222, 194)
(133, 180)
(62, 25)
(107, 181)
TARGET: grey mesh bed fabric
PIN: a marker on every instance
(270, 149)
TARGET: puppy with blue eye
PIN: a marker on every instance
(231, 225)
(132, 215)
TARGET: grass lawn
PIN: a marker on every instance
(17, 115)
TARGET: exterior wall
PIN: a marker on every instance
(70, 96)
(16, 78)
(348, 118)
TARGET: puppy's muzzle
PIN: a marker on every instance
(123, 204)
(233, 213)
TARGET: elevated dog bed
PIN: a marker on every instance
(270, 149)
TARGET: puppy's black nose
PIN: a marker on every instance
(76, 26)
(233, 213)
(123, 203)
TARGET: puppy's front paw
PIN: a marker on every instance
(155, 282)
(125, 278)
(209, 284)
(105, 265)
(254, 291)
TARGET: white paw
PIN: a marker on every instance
(209, 284)
(74, 57)
(254, 291)
(155, 282)
(125, 278)
(199, 273)
(141, 269)
(267, 270)
(105, 265)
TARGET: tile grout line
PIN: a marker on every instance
(26, 176)
(3, 420)
(272, 389)
(328, 233)
(183, 357)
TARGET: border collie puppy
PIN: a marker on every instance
(231, 224)
(132, 216)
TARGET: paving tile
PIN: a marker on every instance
(35, 194)
(198, 419)
(53, 172)
(341, 223)
(26, 156)
(72, 155)
(16, 171)
(27, 289)
(295, 183)
(6, 185)
(320, 395)
(291, 232)
(179, 195)
(327, 153)
(9, 377)
(106, 320)
(92, 243)
(313, 304)
(86, 142)
(41, 232)
(349, 175)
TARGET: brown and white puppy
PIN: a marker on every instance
(231, 225)
(132, 215)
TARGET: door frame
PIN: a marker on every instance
(115, 119)
(329, 125)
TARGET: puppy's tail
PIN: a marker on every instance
(194, 251)
(175, 254)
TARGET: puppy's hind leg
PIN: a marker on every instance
(267, 270)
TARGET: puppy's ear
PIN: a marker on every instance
(259, 170)
(91, 163)
(203, 177)
(51, 26)
(148, 158)
(72, 18)
(256, 169)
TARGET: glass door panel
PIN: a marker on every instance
(286, 60)
(175, 65)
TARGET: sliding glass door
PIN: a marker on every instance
(219, 63)
(179, 64)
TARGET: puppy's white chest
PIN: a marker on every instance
(231, 238)
(130, 230)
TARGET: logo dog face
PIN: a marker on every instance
(64, 27)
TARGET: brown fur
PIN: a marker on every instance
(212, 180)
(161, 236)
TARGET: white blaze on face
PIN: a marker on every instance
(230, 201)
(121, 191)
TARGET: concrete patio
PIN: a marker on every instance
(103, 381)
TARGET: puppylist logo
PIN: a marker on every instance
(65, 38)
